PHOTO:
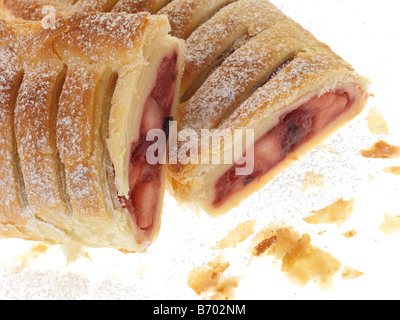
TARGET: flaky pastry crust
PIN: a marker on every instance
(63, 91)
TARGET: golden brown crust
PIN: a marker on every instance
(79, 116)
(186, 15)
(135, 6)
(78, 141)
(56, 93)
(121, 33)
(33, 9)
(94, 5)
(216, 39)
(240, 79)
(35, 116)
(12, 203)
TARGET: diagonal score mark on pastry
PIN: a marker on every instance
(223, 34)
(35, 122)
(215, 27)
(13, 195)
(94, 5)
(293, 101)
(136, 6)
(186, 16)
(80, 96)
(240, 79)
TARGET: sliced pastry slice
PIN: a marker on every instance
(78, 101)
(255, 72)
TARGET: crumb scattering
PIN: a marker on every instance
(301, 261)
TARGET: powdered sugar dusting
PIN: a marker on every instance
(11, 202)
(135, 6)
(182, 14)
(57, 120)
(74, 120)
(33, 100)
(309, 67)
(89, 34)
(8, 179)
(237, 76)
(250, 17)
(34, 127)
(93, 5)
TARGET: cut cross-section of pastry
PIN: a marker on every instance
(79, 101)
(281, 83)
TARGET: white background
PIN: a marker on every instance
(365, 33)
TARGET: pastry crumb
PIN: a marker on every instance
(392, 170)
(264, 245)
(382, 150)
(390, 225)
(34, 252)
(350, 234)
(350, 273)
(87, 256)
(301, 261)
(338, 213)
(124, 251)
(236, 236)
(210, 281)
(376, 123)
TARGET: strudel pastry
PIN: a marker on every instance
(77, 101)
(249, 67)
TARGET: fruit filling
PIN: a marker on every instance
(293, 129)
(145, 180)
